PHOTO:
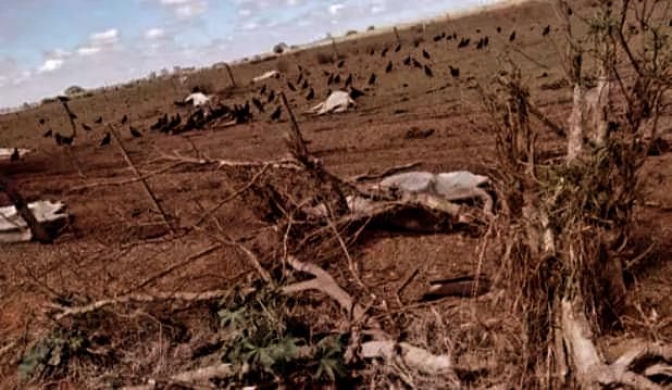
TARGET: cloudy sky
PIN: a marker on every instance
(48, 45)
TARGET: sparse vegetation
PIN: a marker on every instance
(280, 48)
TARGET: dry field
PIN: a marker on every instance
(116, 243)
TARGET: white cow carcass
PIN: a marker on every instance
(197, 99)
(338, 101)
(451, 186)
(6, 153)
(267, 75)
(13, 228)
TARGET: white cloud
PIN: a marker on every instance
(250, 26)
(106, 37)
(244, 12)
(51, 65)
(335, 8)
(186, 9)
(58, 53)
(376, 9)
(155, 33)
(88, 50)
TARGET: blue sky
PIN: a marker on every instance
(48, 45)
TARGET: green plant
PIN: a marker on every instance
(264, 346)
(54, 352)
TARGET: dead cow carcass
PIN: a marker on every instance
(267, 75)
(197, 99)
(13, 228)
(338, 101)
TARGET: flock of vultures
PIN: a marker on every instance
(266, 103)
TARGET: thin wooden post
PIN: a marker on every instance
(396, 34)
(228, 70)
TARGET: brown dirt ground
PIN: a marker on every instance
(103, 254)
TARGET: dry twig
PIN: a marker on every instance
(137, 174)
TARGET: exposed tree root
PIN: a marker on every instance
(588, 365)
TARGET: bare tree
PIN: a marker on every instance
(568, 221)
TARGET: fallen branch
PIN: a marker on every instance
(414, 357)
(127, 181)
(141, 298)
(146, 187)
(176, 266)
(231, 197)
(223, 370)
(326, 284)
(287, 163)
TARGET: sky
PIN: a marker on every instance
(49, 45)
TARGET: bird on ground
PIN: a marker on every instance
(311, 94)
(512, 37)
(355, 93)
(63, 140)
(134, 132)
(455, 72)
(291, 86)
(305, 84)
(47, 134)
(479, 44)
(42, 121)
(372, 79)
(384, 52)
(337, 79)
(428, 71)
(407, 60)
(124, 120)
(425, 54)
(499, 29)
(340, 64)
(547, 30)
(15, 155)
(86, 127)
(276, 114)
(258, 104)
(106, 139)
(99, 120)
(388, 68)
(271, 96)
(348, 81)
